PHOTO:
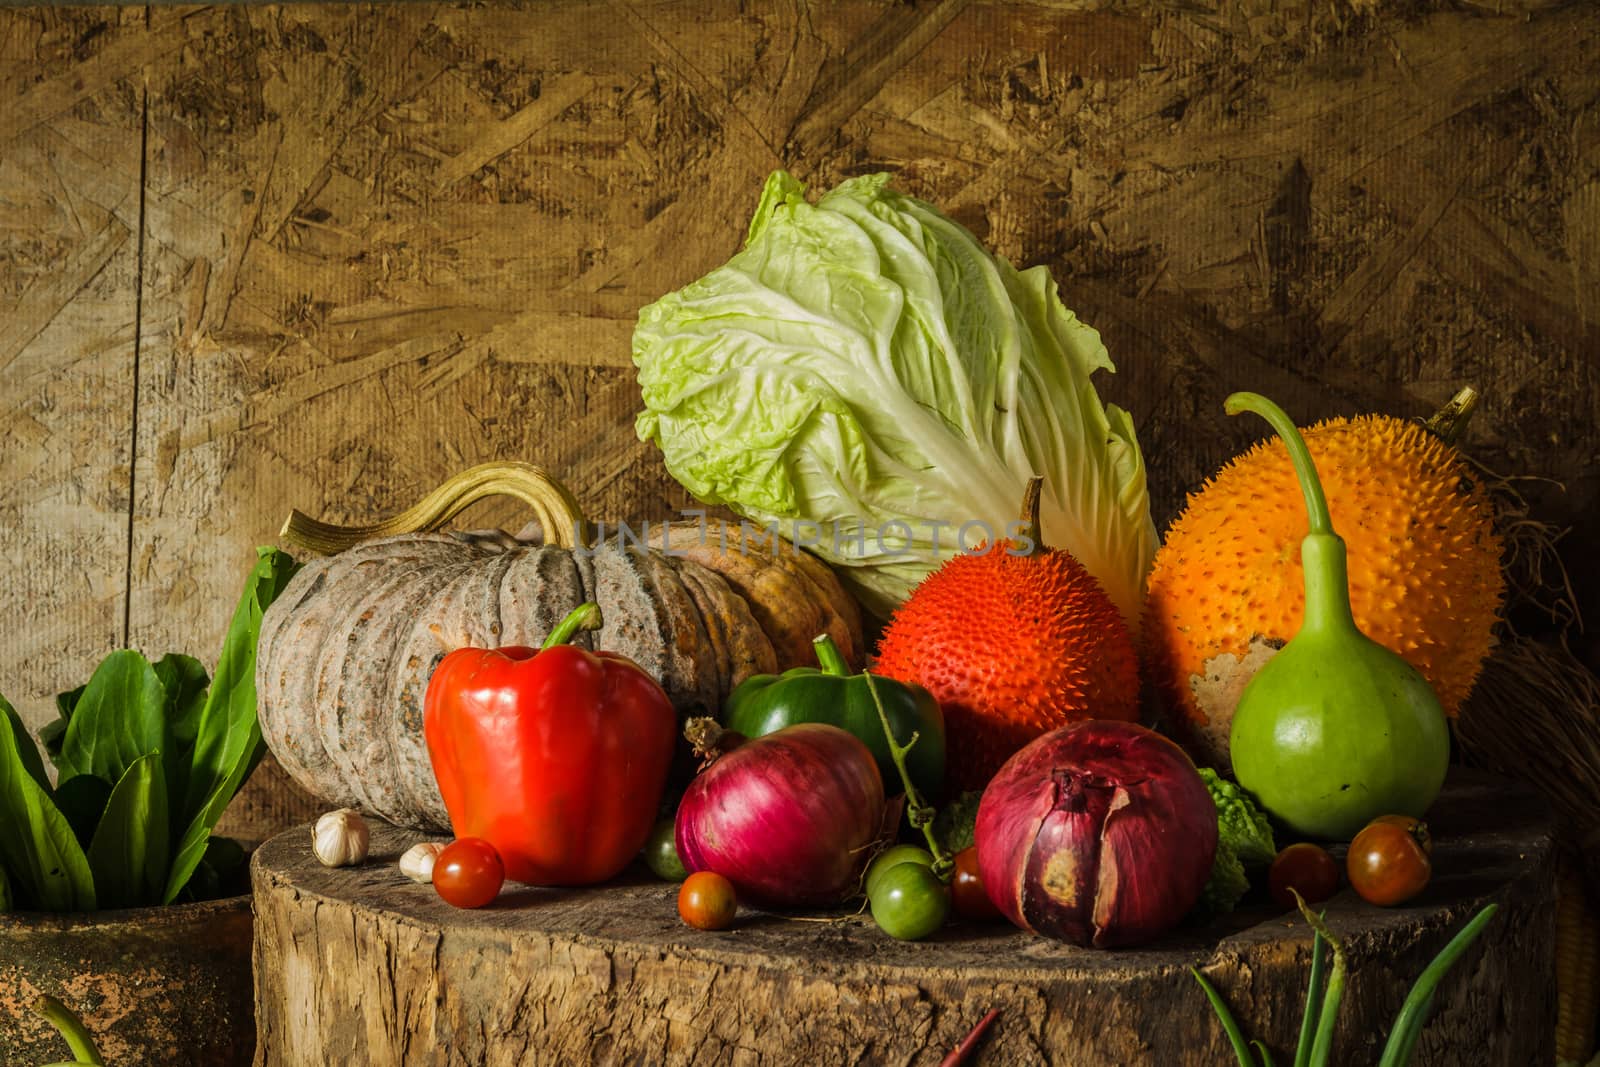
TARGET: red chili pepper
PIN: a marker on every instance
(960, 1054)
(557, 757)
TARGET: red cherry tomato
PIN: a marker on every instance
(468, 873)
(1388, 861)
(706, 901)
(971, 900)
(1305, 868)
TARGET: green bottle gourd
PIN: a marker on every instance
(1335, 729)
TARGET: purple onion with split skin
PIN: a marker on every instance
(1100, 833)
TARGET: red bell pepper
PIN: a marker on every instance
(557, 757)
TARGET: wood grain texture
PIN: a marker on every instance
(380, 244)
(70, 120)
(360, 966)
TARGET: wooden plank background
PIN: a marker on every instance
(255, 257)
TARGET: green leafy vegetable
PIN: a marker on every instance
(149, 757)
(227, 735)
(131, 848)
(83, 801)
(1244, 839)
(53, 733)
(120, 717)
(866, 369)
(184, 679)
(37, 847)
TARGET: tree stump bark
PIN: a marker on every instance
(358, 965)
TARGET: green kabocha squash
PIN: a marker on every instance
(346, 651)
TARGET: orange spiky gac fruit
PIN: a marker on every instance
(1226, 589)
(1013, 644)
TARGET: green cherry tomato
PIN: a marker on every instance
(910, 902)
(661, 853)
(893, 857)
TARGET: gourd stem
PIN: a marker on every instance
(583, 617)
(1028, 531)
(1299, 455)
(1322, 558)
(71, 1028)
(829, 657)
(553, 505)
(1322, 553)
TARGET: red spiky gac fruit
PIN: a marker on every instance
(1012, 645)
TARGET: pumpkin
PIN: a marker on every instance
(347, 649)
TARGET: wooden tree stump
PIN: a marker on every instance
(361, 966)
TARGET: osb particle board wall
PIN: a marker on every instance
(255, 257)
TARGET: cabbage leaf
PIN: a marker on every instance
(865, 375)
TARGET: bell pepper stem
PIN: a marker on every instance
(917, 810)
(829, 658)
(71, 1028)
(583, 617)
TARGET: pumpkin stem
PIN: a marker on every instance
(553, 505)
(583, 617)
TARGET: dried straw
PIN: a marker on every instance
(1534, 715)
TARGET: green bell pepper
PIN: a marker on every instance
(765, 703)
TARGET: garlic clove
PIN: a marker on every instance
(341, 838)
(417, 863)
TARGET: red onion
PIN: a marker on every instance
(1100, 833)
(787, 818)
